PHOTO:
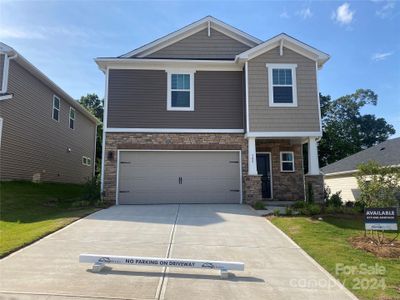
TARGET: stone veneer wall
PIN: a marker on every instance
(317, 182)
(285, 185)
(253, 188)
(166, 141)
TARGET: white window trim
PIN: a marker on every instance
(270, 67)
(169, 90)
(84, 160)
(69, 117)
(58, 109)
(286, 161)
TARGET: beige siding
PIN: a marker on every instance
(305, 117)
(202, 46)
(32, 142)
(346, 184)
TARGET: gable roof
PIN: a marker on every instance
(284, 40)
(188, 30)
(46, 80)
(386, 154)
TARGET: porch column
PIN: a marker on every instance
(313, 165)
(252, 156)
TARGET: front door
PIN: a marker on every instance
(264, 169)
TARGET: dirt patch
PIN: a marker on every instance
(387, 249)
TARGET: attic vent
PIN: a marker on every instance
(383, 148)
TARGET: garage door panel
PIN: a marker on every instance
(154, 177)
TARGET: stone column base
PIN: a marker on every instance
(252, 189)
(314, 183)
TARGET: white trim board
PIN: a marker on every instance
(105, 115)
(174, 130)
(283, 134)
(162, 150)
(1, 128)
(163, 64)
(288, 42)
(190, 29)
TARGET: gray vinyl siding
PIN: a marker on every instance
(1, 68)
(304, 117)
(138, 99)
(32, 142)
(202, 46)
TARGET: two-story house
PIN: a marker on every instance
(210, 114)
(45, 135)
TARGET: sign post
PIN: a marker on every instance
(381, 218)
(99, 261)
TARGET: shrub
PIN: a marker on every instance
(378, 184)
(91, 190)
(359, 206)
(335, 200)
(327, 193)
(311, 210)
(299, 204)
(349, 204)
(277, 212)
(288, 211)
(258, 205)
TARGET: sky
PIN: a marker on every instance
(62, 38)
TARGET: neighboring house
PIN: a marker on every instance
(210, 114)
(341, 175)
(45, 135)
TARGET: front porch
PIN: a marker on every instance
(276, 170)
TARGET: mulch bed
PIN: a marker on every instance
(387, 249)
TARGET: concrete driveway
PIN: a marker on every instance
(275, 268)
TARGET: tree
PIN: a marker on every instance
(378, 185)
(94, 105)
(345, 130)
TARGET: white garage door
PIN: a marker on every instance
(155, 177)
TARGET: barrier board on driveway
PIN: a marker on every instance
(100, 261)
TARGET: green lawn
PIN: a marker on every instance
(29, 211)
(326, 241)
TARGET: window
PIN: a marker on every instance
(180, 91)
(86, 161)
(71, 118)
(287, 161)
(282, 85)
(56, 108)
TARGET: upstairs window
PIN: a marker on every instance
(287, 161)
(56, 108)
(282, 85)
(71, 118)
(180, 91)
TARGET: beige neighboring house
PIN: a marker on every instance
(211, 114)
(340, 176)
(45, 135)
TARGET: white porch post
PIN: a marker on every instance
(313, 165)
(252, 156)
